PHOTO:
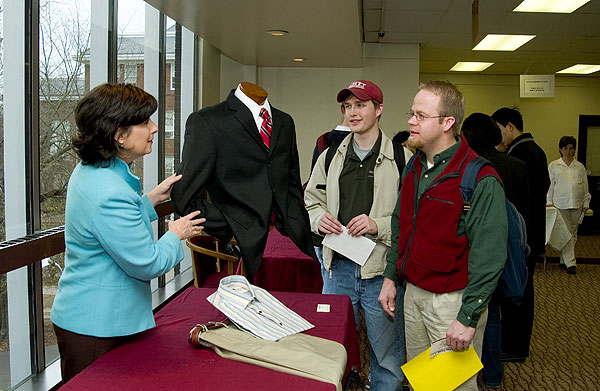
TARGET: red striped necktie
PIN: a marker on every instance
(266, 128)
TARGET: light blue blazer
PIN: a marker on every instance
(110, 255)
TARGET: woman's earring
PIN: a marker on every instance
(121, 144)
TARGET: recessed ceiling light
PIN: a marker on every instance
(582, 69)
(277, 33)
(556, 6)
(503, 42)
(299, 59)
(471, 66)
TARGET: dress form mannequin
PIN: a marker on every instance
(253, 92)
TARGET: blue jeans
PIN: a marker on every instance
(386, 334)
(493, 370)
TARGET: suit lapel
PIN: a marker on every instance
(276, 129)
(244, 117)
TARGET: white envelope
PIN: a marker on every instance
(354, 248)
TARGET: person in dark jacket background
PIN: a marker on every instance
(483, 135)
(517, 322)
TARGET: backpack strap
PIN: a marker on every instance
(524, 140)
(322, 143)
(330, 154)
(469, 179)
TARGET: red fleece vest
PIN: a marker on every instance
(431, 254)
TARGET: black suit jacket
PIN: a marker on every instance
(539, 181)
(224, 154)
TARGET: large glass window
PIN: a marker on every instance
(130, 52)
(64, 50)
(72, 51)
(64, 59)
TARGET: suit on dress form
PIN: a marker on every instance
(224, 154)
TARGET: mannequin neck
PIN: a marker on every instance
(253, 92)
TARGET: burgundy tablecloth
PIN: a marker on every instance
(162, 359)
(285, 268)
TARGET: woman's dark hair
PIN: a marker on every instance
(401, 136)
(102, 112)
(481, 132)
(566, 140)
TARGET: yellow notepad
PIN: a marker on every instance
(443, 372)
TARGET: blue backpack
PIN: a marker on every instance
(511, 284)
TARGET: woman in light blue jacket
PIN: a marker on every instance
(110, 257)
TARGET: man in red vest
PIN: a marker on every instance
(450, 257)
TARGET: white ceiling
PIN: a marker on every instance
(330, 33)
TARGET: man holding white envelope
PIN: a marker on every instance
(350, 198)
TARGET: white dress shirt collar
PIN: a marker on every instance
(253, 106)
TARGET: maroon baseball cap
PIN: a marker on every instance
(363, 90)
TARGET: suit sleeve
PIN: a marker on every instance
(295, 184)
(197, 167)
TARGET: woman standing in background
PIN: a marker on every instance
(569, 193)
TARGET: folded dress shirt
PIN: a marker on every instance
(255, 310)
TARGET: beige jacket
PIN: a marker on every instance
(385, 192)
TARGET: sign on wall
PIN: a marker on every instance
(537, 86)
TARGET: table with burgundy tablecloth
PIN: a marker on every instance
(285, 268)
(162, 358)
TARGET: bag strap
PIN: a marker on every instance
(329, 155)
(517, 143)
(469, 178)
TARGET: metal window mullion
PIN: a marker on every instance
(32, 169)
(162, 97)
(152, 84)
(112, 40)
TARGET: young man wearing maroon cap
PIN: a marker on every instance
(358, 191)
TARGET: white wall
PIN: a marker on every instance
(309, 94)
(210, 75)
(547, 119)
(233, 73)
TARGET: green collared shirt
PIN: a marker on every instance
(486, 228)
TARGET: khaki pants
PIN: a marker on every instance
(427, 317)
(298, 354)
(571, 218)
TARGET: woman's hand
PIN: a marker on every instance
(186, 226)
(162, 192)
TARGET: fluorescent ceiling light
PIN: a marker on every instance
(557, 6)
(503, 42)
(277, 33)
(582, 69)
(471, 66)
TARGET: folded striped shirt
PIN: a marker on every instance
(255, 310)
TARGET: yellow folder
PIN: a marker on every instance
(443, 372)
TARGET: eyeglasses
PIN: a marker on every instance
(422, 117)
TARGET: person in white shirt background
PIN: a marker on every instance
(569, 193)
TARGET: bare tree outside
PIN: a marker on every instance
(64, 35)
(62, 84)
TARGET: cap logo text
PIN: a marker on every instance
(357, 84)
